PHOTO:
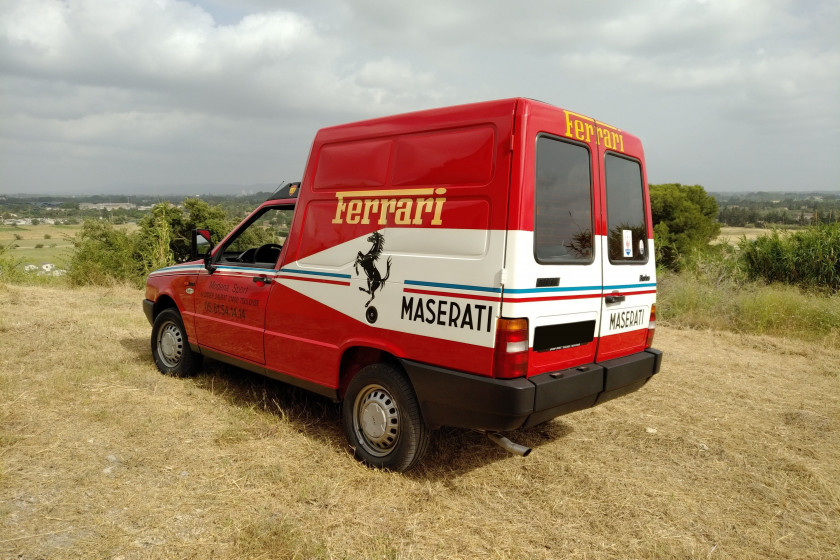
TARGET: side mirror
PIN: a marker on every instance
(202, 246)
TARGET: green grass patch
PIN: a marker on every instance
(58, 255)
(35, 245)
(693, 300)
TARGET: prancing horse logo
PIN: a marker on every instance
(375, 281)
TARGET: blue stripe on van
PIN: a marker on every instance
(453, 286)
(626, 286)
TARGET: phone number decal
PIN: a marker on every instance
(223, 310)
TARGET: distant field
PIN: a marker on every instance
(56, 242)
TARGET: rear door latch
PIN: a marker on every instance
(614, 298)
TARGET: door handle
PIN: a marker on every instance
(261, 280)
(615, 298)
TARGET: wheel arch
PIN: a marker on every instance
(163, 302)
(355, 357)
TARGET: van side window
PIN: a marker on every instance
(563, 221)
(259, 243)
(625, 210)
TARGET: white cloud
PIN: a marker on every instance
(231, 77)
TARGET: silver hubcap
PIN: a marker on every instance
(170, 345)
(376, 420)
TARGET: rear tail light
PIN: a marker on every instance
(651, 326)
(511, 355)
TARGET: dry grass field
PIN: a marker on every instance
(732, 235)
(732, 451)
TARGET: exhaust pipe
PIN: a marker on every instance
(508, 445)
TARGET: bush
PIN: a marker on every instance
(104, 254)
(11, 268)
(808, 258)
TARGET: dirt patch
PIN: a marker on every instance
(732, 451)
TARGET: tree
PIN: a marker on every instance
(154, 240)
(166, 231)
(684, 221)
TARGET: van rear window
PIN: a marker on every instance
(625, 210)
(563, 221)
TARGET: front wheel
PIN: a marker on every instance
(382, 420)
(170, 347)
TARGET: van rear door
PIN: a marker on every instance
(553, 261)
(629, 272)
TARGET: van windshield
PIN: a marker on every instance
(563, 221)
(625, 210)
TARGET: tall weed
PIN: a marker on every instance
(809, 258)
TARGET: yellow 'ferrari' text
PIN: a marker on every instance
(585, 129)
(406, 206)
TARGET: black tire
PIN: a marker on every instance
(170, 347)
(382, 420)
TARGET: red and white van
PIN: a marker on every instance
(487, 266)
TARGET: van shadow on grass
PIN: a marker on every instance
(456, 451)
(139, 347)
(452, 451)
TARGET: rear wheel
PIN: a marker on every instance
(170, 347)
(382, 419)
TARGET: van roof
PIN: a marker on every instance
(426, 118)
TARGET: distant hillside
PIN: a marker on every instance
(788, 208)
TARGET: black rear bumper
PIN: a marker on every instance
(451, 398)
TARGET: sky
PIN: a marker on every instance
(149, 96)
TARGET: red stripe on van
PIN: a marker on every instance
(319, 280)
